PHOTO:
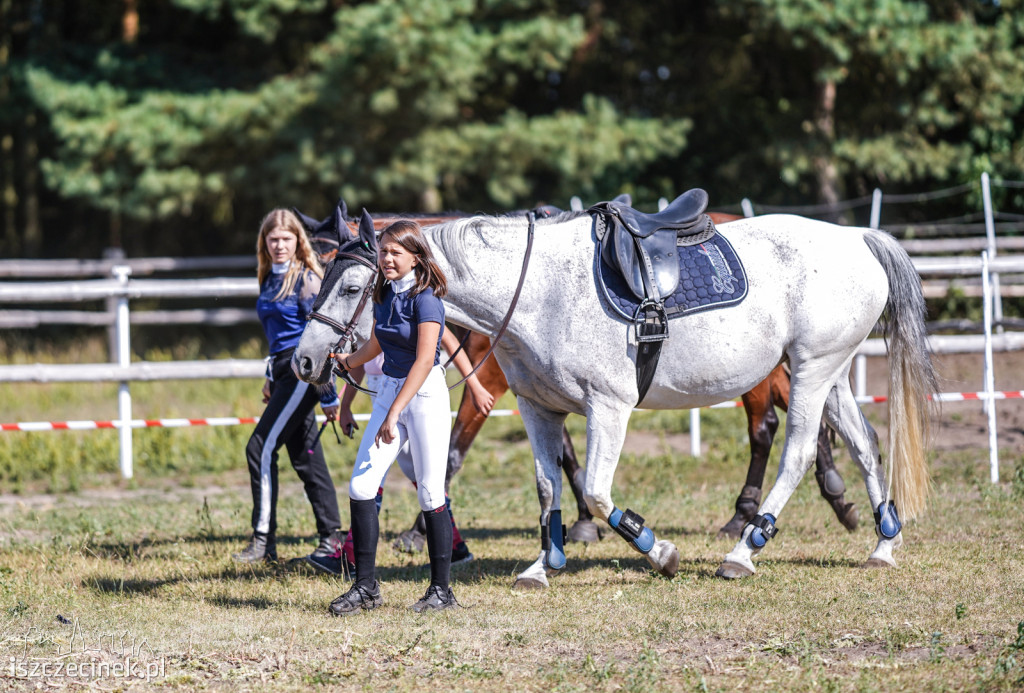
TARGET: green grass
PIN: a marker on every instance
(143, 569)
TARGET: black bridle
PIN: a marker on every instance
(346, 332)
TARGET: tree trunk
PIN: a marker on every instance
(825, 170)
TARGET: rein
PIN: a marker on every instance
(346, 331)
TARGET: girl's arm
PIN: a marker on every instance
(426, 349)
(483, 400)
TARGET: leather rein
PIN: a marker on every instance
(346, 331)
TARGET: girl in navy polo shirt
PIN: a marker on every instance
(411, 406)
(289, 276)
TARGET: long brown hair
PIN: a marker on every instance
(408, 234)
(305, 258)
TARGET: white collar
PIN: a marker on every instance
(280, 267)
(403, 284)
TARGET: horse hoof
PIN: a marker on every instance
(671, 566)
(409, 541)
(586, 531)
(875, 563)
(733, 571)
(524, 584)
(847, 514)
(733, 529)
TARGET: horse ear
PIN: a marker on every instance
(343, 208)
(338, 224)
(624, 198)
(310, 224)
(367, 233)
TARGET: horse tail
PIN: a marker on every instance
(911, 375)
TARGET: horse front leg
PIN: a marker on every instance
(606, 432)
(584, 529)
(544, 428)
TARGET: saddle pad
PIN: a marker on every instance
(711, 276)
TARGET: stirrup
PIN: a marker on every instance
(650, 322)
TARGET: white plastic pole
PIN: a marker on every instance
(860, 375)
(990, 402)
(575, 204)
(748, 207)
(695, 432)
(124, 395)
(662, 203)
(990, 234)
(876, 208)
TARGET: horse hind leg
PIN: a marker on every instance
(848, 420)
(584, 529)
(830, 482)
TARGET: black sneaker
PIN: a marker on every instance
(461, 554)
(358, 598)
(328, 558)
(261, 547)
(436, 599)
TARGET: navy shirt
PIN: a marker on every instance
(397, 329)
(283, 320)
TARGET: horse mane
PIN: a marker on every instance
(451, 235)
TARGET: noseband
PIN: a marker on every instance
(346, 332)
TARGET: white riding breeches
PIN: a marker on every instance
(424, 426)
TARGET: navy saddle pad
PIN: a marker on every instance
(711, 276)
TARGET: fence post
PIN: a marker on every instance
(124, 395)
(662, 203)
(990, 233)
(876, 209)
(575, 203)
(990, 401)
(747, 206)
(695, 432)
(111, 304)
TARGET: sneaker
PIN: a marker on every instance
(328, 557)
(436, 599)
(358, 598)
(261, 547)
(461, 554)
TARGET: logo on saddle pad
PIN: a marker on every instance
(723, 281)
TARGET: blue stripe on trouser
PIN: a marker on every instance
(425, 425)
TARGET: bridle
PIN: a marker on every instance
(346, 332)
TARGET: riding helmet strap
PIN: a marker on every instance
(630, 526)
(887, 520)
(764, 529)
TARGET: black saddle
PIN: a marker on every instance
(642, 247)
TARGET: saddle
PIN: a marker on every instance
(642, 249)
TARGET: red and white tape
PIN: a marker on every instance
(237, 421)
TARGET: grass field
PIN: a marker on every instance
(96, 572)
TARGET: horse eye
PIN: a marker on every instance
(352, 290)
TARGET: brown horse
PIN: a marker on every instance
(759, 404)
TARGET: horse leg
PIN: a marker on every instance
(468, 422)
(544, 427)
(606, 432)
(861, 439)
(798, 454)
(762, 423)
(584, 528)
(830, 483)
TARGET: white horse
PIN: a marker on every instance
(815, 291)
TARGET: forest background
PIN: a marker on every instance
(172, 126)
